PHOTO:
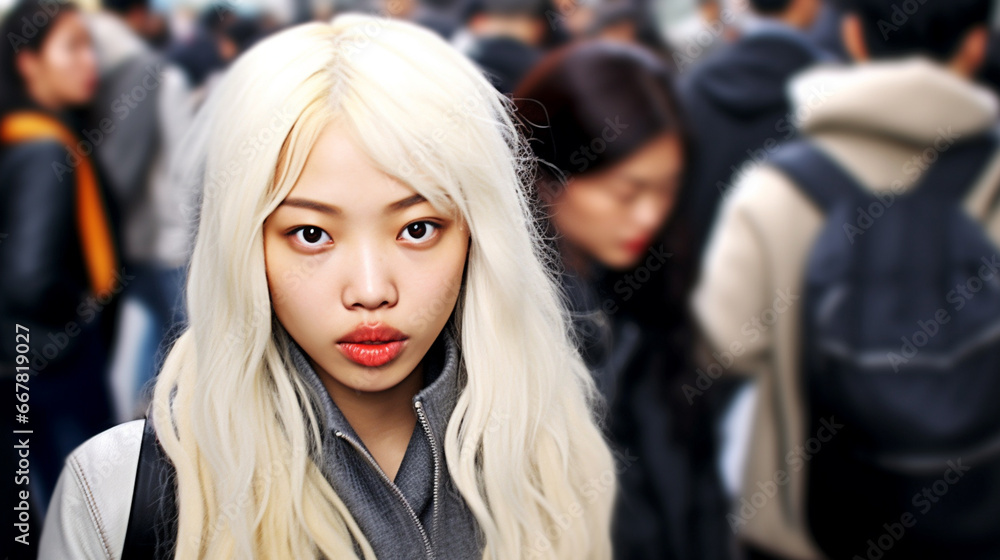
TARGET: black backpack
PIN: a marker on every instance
(152, 521)
(901, 361)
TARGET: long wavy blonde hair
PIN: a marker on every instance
(523, 446)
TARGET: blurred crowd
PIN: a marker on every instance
(778, 222)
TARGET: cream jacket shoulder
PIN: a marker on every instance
(89, 510)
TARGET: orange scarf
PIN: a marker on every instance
(91, 218)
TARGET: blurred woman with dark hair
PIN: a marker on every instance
(59, 256)
(604, 119)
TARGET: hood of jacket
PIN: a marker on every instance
(912, 100)
(748, 78)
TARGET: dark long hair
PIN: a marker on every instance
(563, 104)
(26, 27)
(567, 102)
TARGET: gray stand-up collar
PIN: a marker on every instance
(442, 384)
(401, 517)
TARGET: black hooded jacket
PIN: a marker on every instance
(738, 111)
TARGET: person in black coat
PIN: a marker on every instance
(735, 101)
(603, 118)
(59, 252)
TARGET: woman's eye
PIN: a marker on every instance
(311, 236)
(419, 232)
(625, 195)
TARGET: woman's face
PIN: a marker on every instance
(63, 72)
(611, 215)
(363, 272)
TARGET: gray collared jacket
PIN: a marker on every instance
(419, 515)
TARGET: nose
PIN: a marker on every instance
(370, 283)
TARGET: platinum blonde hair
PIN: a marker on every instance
(523, 445)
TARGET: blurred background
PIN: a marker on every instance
(778, 219)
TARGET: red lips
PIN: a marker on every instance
(372, 345)
(637, 245)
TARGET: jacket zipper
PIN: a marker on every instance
(430, 436)
(395, 489)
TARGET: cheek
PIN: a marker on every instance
(60, 62)
(295, 293)
(431, 288)
(280, 288)
(69, 71)
(588, 218)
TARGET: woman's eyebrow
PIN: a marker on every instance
(333, 210)
(406, 202)
(311, 205)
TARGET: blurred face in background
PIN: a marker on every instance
(576, 15)
(63, 72)
(611, 215)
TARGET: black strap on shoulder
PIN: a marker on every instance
(960, 164)
(951, 174)
(148, 498)
(816, 174)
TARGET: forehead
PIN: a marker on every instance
(660, 158)
(68, 24)
(338, 172)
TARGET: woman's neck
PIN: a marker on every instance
(42, 97)
(384, 420)
(370, 411)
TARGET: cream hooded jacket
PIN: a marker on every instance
(883, 122)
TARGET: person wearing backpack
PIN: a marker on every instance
(856, 277)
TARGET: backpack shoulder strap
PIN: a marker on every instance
(815, 173)
(140, 534)
(956, 169)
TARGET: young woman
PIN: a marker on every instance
(604, 116)
(59, 250)
(377, 362)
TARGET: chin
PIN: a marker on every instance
(364, 385)
(374, 379)
(621, 263)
